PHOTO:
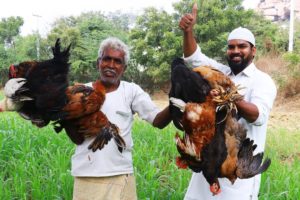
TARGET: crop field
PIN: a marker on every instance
(35, 163)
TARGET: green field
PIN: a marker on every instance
(35, 163)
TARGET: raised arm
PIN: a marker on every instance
(186, 24)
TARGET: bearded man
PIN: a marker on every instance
(259, 92)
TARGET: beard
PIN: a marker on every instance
(237, 67)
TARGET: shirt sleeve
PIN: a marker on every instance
(199, 59)
(143, 105)
(263, 97)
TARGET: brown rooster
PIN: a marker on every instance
(213, 141)
(83, 118)
(39, 92)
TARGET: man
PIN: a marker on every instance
(107, 173)
(259, 94)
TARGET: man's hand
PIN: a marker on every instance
(188, 20)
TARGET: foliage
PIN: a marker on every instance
(9, 28)
(297, 36)
(154, 44)
(154, 37)
(270, 37)
(292, 82)
(84, 33)
(215, 19)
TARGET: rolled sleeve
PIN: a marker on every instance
(144, 106)
(263, 97)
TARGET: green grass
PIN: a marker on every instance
(35, 163)
(1, 94)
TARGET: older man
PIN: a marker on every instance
(108, 174)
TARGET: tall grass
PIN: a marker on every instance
(35, 163)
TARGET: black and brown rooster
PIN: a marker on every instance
(39, 92)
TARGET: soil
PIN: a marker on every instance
(285, 112)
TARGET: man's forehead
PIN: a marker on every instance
(237, 42)
(113, 52)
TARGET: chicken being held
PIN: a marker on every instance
(83, 117)
(39, 92)
(187, 86)
(37, 89)
(213, 141)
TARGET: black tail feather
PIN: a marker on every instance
(105, 135)
(248, 164)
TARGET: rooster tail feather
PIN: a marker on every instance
(101, 140)
(105, 135)
(62, 56)
(264, 166)
(120, 143)
(118, 138)
(249, 165)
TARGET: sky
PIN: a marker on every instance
(40, 14)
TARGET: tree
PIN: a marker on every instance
(9, 28)
(84, 33)
(154, 44)
(215, 20)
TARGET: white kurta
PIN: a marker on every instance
(119, 107)
(259, 90)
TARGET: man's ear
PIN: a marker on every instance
(98, 62)
(253, 51)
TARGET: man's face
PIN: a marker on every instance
(111, 66)
(240, 54)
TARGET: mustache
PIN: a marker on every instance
(110, 71)
(235, 55)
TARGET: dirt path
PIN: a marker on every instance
(285, 113)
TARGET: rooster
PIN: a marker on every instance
(39, 92)
(213, 141)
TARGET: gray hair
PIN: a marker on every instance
(114, 43)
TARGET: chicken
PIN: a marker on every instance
(83, 118)
(240, 161)
(187, 86)
(213, 141)
(39, 92)
(38, 89)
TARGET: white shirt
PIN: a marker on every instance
(260, 90)
(119, 107)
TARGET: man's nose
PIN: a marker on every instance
(111, 63)
(236, 49)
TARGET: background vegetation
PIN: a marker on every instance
(154, 38)
(35, 163)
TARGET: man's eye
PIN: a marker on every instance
(118, 61)
(106, 59)
(243, 46)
